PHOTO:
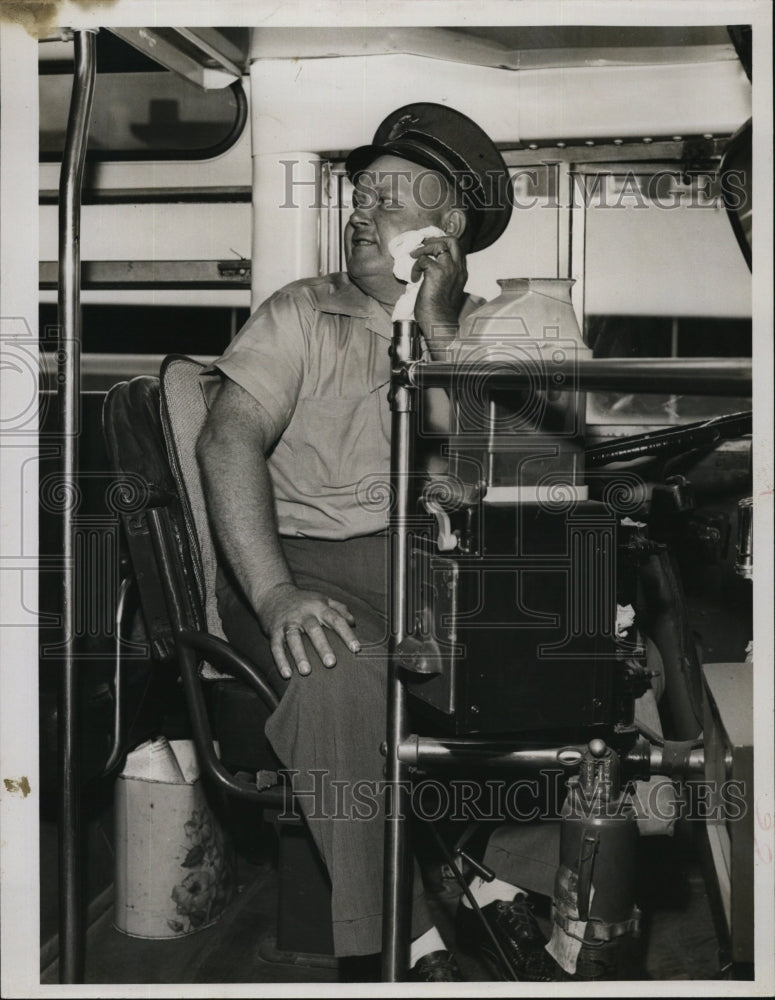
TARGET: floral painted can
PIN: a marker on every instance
(174, 862)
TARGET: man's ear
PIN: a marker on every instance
(454, 222)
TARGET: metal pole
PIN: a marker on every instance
(673, 758)
(116, 750)
(395, 921)
(71, 929)
(688, 376)
(427, 751)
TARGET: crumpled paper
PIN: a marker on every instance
(625, 617)
(400, 248)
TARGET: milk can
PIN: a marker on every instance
(526, 439)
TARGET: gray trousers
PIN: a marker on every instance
(329, 727)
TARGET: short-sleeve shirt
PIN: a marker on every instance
(315, 356)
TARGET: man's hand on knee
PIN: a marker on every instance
(287, 613)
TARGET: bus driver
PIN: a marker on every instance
(300, 418)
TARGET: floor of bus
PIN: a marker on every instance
(679, 940)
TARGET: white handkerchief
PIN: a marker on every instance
(400, 248)
(625, 617)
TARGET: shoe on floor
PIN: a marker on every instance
(436, 967)
(516, 930)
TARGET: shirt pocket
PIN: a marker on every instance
(342, 440)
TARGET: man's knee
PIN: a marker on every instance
(356, 682)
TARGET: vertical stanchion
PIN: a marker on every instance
(71, 929)
(395, 922)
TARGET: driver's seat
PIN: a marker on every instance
(151, 427)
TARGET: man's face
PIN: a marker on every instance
(392, 196)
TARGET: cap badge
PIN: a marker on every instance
(400, 126)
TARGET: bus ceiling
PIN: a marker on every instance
(213, 58)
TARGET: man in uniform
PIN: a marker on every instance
(299, 428)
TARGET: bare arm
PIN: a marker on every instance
(231, 452)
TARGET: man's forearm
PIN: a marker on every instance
(240, 502)
(241, 505)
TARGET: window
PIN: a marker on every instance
(140, 111)
(663, 277)
(144, 329)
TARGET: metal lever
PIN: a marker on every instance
(446, 539)
(481, 870)
(744, 562)
(587, 851)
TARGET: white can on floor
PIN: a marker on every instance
(174, 863)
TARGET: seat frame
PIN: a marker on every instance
(165, 555)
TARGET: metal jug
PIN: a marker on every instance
(528, 440)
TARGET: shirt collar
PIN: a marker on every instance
(347, 299)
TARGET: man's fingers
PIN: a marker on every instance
(342, 629)
(343, 610)
(436, 246)
(296, 648)
(455, 251)
(431, 260)
(432, 245)
(278, 652)
(420, 267)
(428, 265)
(306, 615)
(314, 630)
(442, 256)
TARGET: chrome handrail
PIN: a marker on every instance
(71, 931)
